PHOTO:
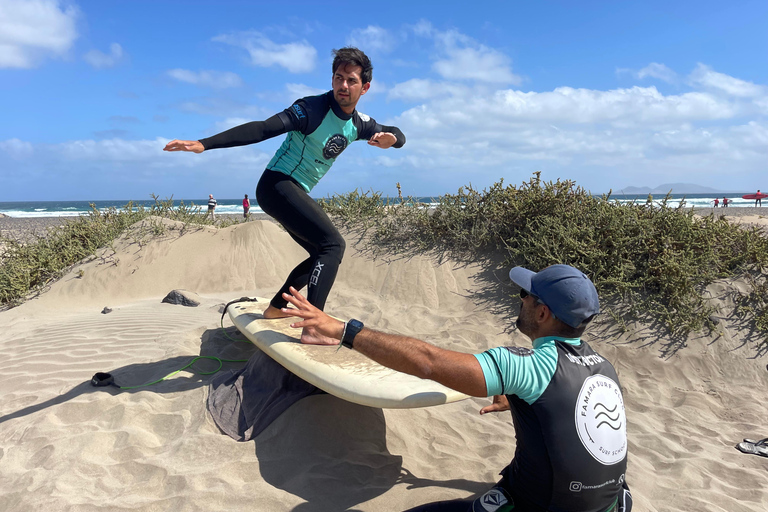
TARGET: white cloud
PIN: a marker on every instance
(213, 79)
(423, 28)
(656, 70)
(708, 78)
(16, 149)
(31, 30)
(127, 169)
(101, 60)
(603, 138)
(297, 57)
(371, 38)
(480, 64)
(419, 89)
(116, 154)
(296, 91)
(623, 107)
(463, 58)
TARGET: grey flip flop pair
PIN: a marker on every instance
(754, 447)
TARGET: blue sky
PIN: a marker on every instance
(639, 93)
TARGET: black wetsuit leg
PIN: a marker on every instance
(282, 198)
(444, 506)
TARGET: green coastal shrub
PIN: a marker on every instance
(649, 262)
(26, 266)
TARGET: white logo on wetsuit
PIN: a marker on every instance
(491, 501)
(601, 421)
(335, 145)
(316, 274)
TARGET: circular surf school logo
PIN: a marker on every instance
(335, 145)
(601, 421)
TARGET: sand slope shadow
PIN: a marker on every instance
(329, 452)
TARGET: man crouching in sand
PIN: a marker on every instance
(566, 401)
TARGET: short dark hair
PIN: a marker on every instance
(566, 331)
(351, 55)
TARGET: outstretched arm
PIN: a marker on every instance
(455, 370)
(248, 133)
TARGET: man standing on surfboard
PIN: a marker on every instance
(319, 128)
(566, 401)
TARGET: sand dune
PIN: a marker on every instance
(65, 445)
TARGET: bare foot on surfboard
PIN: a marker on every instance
(311, 337)
(272, 312)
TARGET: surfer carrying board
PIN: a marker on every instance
(566, 401)
(319, 128)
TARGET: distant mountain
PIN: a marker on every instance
(676, 188)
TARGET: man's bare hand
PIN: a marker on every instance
(195, 146)
(383, 140)
(312, 317)
(500, 403)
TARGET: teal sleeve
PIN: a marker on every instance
(526, 376)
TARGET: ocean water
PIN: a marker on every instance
(29, 209)
(235, 206)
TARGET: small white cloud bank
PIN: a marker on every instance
(659, 71)
(100, 60)
(601, 138)
(82, 168)
(296, 91)
(33, 30)
(706, 77)
(463, 58)
(207, 78)
(16, 149)
(296, 57)
(372, 39)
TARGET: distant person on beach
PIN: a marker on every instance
(566, 400)
(319, 128)
(246, 207)
(725, 202)
(212, 207)
(717, 202)
(758, 200)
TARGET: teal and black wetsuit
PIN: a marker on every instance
(318, 131)
(570, 425)
(571, 428)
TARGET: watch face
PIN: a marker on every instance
(353, 327)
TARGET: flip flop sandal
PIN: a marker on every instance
(754, 447)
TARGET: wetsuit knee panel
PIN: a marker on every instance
(333, 246)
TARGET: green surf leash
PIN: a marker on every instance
(102, 379)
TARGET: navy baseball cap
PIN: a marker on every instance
(565, 290)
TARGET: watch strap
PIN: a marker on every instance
(351, 329)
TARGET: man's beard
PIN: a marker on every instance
(523, 322)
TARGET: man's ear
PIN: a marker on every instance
(366, 86)
(543, 314)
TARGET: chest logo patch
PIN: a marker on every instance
(601, 421)
(335, 145)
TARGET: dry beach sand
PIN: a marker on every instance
(65, 445)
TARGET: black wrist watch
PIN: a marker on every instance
(351, 329)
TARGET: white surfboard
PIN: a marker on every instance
(341, 372)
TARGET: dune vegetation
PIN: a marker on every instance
(649, 262)
(28, 266)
